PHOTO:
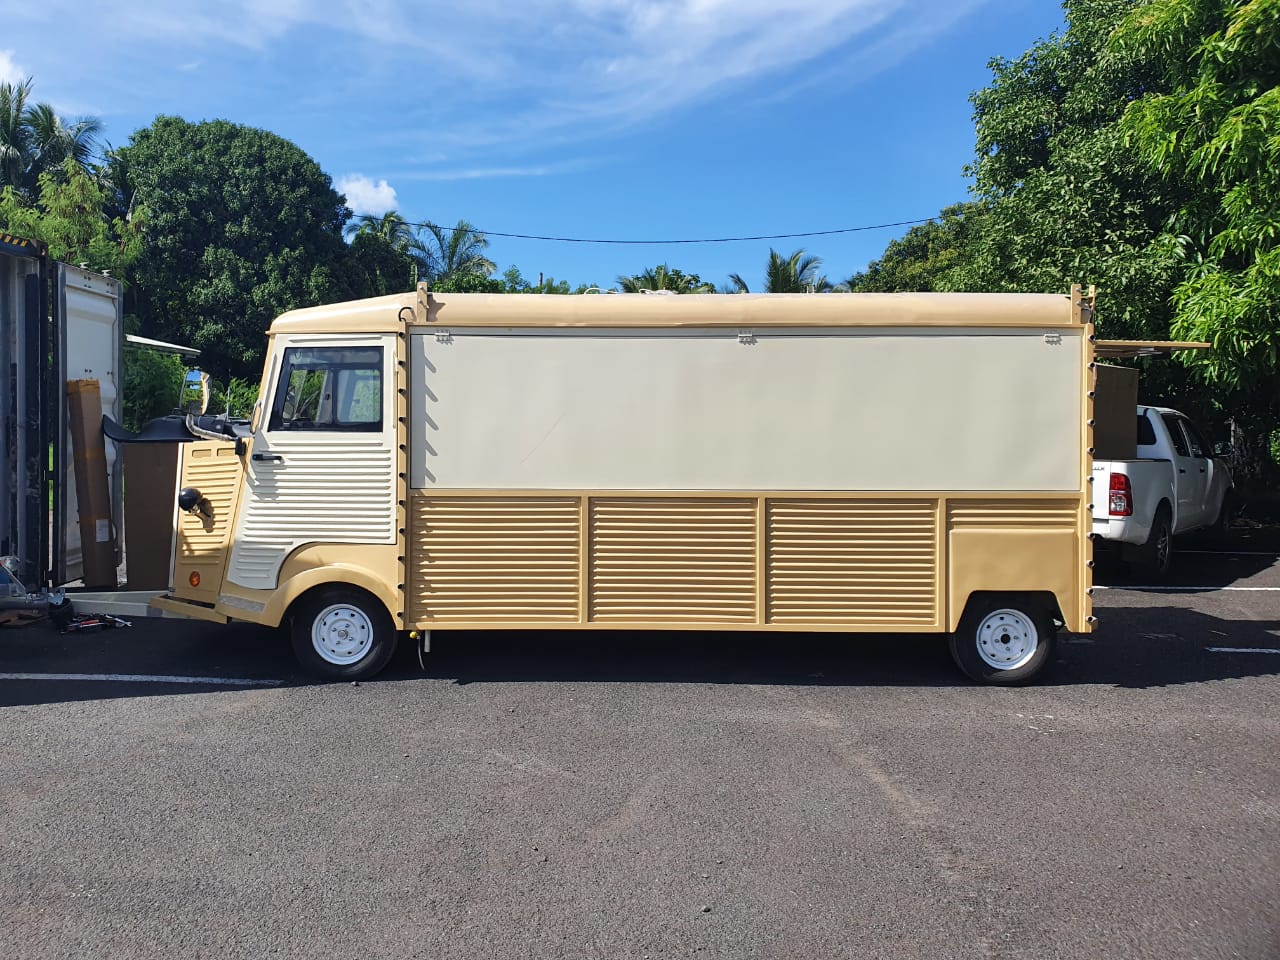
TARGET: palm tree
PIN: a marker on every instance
(15, 136)
(391, 227)
(35, 140)
(797, 273)
(452, 251)
(663, 277)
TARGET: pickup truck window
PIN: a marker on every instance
(329, 388)
(1198, 447)
(1146, 432)
(1175, 434)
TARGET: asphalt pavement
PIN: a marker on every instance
(551, 795)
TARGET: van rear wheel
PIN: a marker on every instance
(1003, 640)
(342, 633)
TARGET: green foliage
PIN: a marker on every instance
(35, 140)
(468, 283)
(514, 282)
(242, 225)
(663, 277)
(1214, 123)
(446, 252)
(152, 386)
(238, 396)
(386, 268)
(69, 216)
(797, 273)
(923, 259)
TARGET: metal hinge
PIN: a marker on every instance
(444, 336)
(746, 336)
(1053, 336)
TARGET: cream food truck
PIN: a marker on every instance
(858, 463)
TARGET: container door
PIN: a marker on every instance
(322, 465)
(90, 342)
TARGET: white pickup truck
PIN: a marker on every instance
(1174, 486)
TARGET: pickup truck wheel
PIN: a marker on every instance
(1003, 641)
(1157, 553)
(342, 633)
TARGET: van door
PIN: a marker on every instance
(322, 464)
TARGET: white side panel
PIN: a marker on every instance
(867, 409)
(91, 350)
(324, 488)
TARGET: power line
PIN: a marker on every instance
(774, 236)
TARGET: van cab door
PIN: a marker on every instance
(322, 465)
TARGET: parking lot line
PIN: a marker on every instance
(1242, 649)
(1164, 589)
(1233, 553)
(143, 678)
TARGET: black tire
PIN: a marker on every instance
(1155, 558)
(1003, 640)
(342, 633)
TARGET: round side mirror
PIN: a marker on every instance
(188, 499)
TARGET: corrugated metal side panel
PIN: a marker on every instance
(336, 493)
(214, 469)
(852, 561)
(1031, 514)
(494, 559)
(668, 559)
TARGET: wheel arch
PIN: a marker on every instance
(307, 583)
(1045, 600)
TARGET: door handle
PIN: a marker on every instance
(268, 457)
(1180, 469)
(1202, 469)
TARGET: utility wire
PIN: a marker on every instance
(774, 236)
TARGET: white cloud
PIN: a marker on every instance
(492, 73)
(10, 72)
(365, 196)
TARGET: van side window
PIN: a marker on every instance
(329, 388)
(1175, 434)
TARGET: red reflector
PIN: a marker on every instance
(1121, 504)
(194, 579)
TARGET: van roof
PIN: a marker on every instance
(383, 314)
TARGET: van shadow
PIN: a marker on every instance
(1133, 647)
(1198, 561)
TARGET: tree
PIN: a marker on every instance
(390, 226)
(387, 268)
(451, 251)
(34, 140)
(1066, 198)
(663, 277)
(69, 215)
(797, 273)
(1213, 123)
(924, 258)
(242, 225)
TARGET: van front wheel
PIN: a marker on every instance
(1003, 641)
(342, 633)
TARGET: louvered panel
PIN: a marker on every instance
(493, 559)
(1013, 513)
(672, 560)
(335, 492)
(214, 469)
(854, 562)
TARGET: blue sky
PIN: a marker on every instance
(620, 119)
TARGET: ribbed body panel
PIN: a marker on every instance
(853, 561)
(666, 559)
(341, 492)
(770, 561)
(498, 559)
(214, 469)
(1027, 514)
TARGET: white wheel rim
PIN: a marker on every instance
(341, 634)
(1007, 639)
